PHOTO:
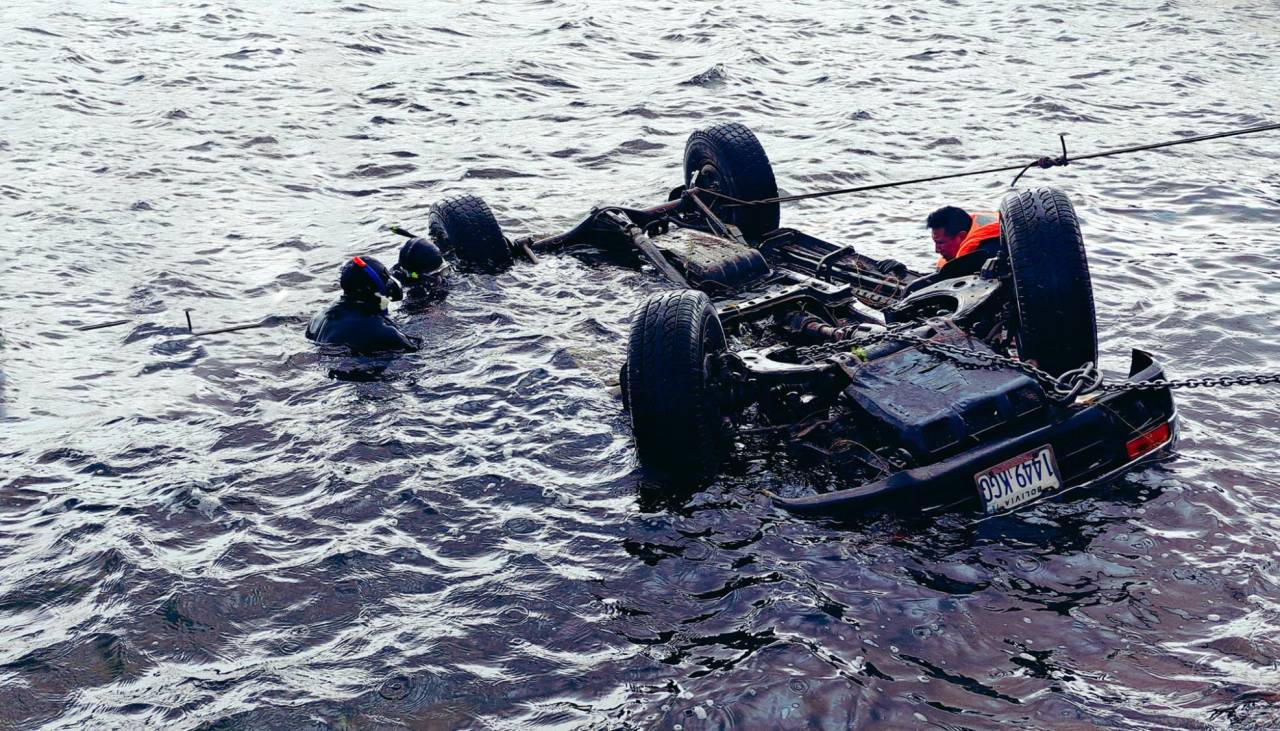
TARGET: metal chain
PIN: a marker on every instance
(1064, 388)
(1207, 382)
(840, 345)
(985, 360)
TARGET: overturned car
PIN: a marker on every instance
(972, 384)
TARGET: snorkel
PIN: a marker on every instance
(384, 297)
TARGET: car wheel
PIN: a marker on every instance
(464, 226)
(676, 413)
(1056, 327)
(728, 158)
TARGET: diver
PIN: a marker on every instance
(956, 233)
(359, 318)
(421, 269)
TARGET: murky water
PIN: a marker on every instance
(212, 531)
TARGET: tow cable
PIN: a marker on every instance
(1043, 162)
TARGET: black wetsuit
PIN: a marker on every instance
(361, 326)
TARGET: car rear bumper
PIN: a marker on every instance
(1093, 443)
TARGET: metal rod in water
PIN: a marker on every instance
(229, 329)
(232, 328)
(99, 326)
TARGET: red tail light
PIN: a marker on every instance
(1147, 441)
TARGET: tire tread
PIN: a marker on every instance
(470, 231)
(1053, 290)
(675, 416)
(747, 172)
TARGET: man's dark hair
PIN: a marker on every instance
(950, 219)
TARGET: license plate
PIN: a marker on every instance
(1019, 480)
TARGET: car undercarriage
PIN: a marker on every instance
(920, 391)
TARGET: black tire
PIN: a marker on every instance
(676, 414)
(1057, 326)
(728, 158)
(465, 227)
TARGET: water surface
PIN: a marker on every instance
(214, 532)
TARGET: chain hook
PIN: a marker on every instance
(1076, 381)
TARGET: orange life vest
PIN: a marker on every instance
(986, 225)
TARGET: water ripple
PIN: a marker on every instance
(237, 531)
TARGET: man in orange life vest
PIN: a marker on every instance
(956, 233)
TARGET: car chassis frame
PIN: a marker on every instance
(808, 326)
